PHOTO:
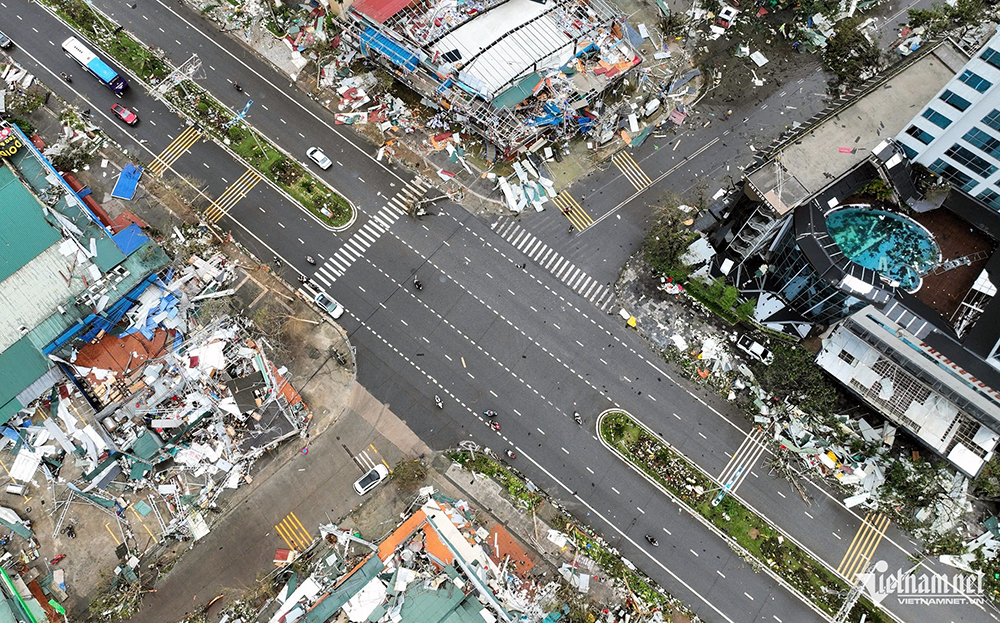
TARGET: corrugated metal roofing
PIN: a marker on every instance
(24, 233)
(20, 365)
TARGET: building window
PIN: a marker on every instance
(909, 151)
(984, 141)
(955, 101)
(974, 163)
(993, 119)
(920, 135)
(846, 356)
(936, 118)
(953, 175)
(991, 198)
(975, 81)
(991, 56)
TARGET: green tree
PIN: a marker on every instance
(942, 18)
(794, 375)
(746, 308)
(987, 483)
(851, 55)
(729, 297)
(666, 241)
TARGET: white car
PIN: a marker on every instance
(370, 480)
(316, 155)
(755, 349)
(332, 307)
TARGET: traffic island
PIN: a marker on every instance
(758, 542)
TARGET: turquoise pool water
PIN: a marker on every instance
(893, 245)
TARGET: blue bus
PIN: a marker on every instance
(89, 61)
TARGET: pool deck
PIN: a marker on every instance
(956, 238)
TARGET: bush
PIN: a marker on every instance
(794, 375)
(235, 133)
(285, 171)
(202, 107)
(409, 474)
(26, 126)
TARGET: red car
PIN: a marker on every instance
(124, 114)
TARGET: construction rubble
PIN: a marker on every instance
(437, 565)
(154, 411)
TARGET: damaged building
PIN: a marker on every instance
(116, 394)
(437, 566)
(512, 71)
(834, 237)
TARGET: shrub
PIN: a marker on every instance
(202, 108)
(235, 133)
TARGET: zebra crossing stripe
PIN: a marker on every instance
(547, 254)
(561, 270)
(320, 277)
(341, 267)
(553, 259)
(367, 236)
(570, 279)
(356, 244)
(583, 283)
(327, 274)
(592, 286)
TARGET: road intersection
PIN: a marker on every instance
(513, 317)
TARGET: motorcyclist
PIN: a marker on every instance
(576, 416)
(236, 85)
(438, 401)
(310, 259)
(417, 284)
(510, 454)
(490, 413)
(652, 541)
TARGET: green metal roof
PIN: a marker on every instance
(448, 604)
(20, 366)
(517, 93)
(24, 232)
(145, 445)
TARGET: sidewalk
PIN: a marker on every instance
(316, 487)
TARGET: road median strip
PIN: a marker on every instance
(755, 539)
(143, 63)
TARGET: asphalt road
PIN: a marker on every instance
(487, 334)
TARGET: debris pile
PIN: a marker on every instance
(162, 405)
(437, 564)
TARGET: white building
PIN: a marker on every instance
(957, 134)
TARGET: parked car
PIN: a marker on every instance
(332, 307)
(755, 349)
(316, 155)
(5, 41)
(125, 114)
(370, 480)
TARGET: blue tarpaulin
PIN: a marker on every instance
(130, 239)
(396, 53)
(127, 181)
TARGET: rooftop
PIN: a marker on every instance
(813, 158)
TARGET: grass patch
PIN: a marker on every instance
(329, 207)
(766, 546)
(504, 476)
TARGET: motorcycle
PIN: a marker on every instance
(438, 401)
(576, 416)
(70, 532)
(310, 260)
(510, 454)
(236, 85)
(56, 560)
(652, 541)
(495, 426)
(68, 78)
(417, 285)
(490, 413)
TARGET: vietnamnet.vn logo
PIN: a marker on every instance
(924, 588)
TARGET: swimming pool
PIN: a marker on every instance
(895, 246)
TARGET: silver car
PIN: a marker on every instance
(316, 155)
(5, 41)
(332, 307)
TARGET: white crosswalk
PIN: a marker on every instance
(380, 222)
(549, 259)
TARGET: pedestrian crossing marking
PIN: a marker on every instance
(231, 196)
(573, 211)
(552, 261)
(173, 151)
(368, 234)
(293, 533)
(742, 461)
(862, 548)
(631, 170)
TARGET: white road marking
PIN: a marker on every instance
(749, 596)
(616, 491)
(693, 552)
(590, 470)
(720, 573)
(540, 430)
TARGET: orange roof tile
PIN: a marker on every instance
(391, 542)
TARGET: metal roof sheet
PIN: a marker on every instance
(24, 233)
